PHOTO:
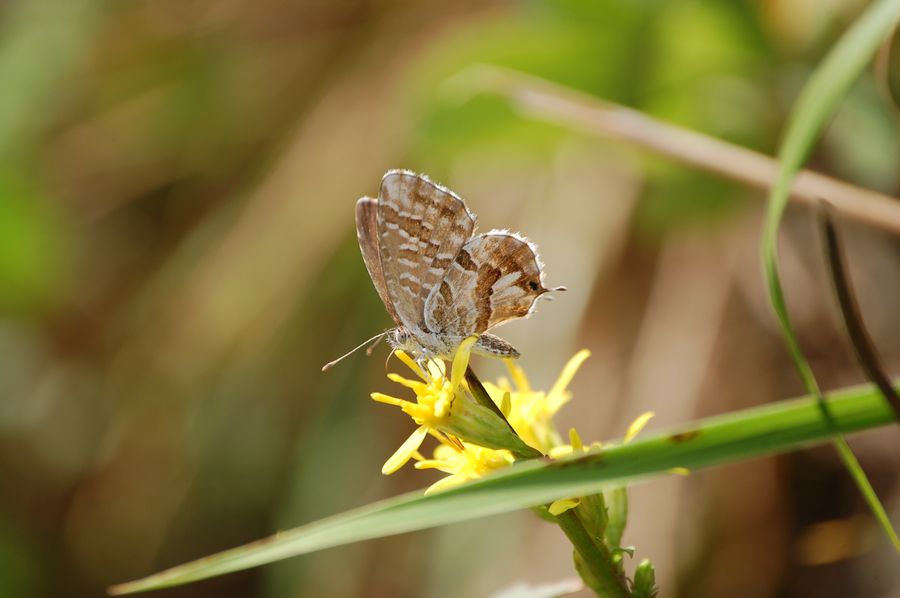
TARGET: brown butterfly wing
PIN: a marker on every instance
(367, 234)
(422, 227)
(494, 278)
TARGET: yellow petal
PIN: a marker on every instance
(494, 391)
(680, 471)
(444, 452)
(442, 403)
(416, 386)
(560, 451)
(461, 361)
(405, 452)
(383, 398)
(439, 465)
(558, 507)
(436, 369)
(410, 363)
(518, 375)
(575, 440)
(505, 404)
(444, 484)
(430, 464)
(637, 425)
(556, 397)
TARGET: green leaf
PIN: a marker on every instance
(765, 430)
(815, 106)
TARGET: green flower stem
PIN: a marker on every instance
(592, 554)
(602, 575)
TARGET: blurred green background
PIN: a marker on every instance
(178, 259)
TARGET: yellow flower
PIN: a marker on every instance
(575, 446)
(446, 409)
(473, 440)
(531, 412)
(435, 395)
(463, 462)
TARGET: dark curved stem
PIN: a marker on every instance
(860, 340)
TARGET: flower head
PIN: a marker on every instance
(531, 412)
(472, 439)
(463, 461)
(476, 438)
(576, 446)
(446, 409)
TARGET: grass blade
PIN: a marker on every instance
(765, 430)
(816, 104)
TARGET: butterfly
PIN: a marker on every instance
(438, 282)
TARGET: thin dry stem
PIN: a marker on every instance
(547, 101)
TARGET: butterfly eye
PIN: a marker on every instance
(533, 285)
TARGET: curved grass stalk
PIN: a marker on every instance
(816, 104)
(770, 429)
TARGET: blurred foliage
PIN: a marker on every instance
(32, 248)
(177, 260)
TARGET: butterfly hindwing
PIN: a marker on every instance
(421, 229)
(494, 278)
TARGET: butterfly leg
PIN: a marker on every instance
(422, 361)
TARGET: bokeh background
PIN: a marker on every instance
(178, 259)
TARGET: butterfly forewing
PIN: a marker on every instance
(421, 229)
(367, 234)
(495, 277)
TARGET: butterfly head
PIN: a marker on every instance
(401, 338)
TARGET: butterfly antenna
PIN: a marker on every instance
(547, 297)
(375, 338)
